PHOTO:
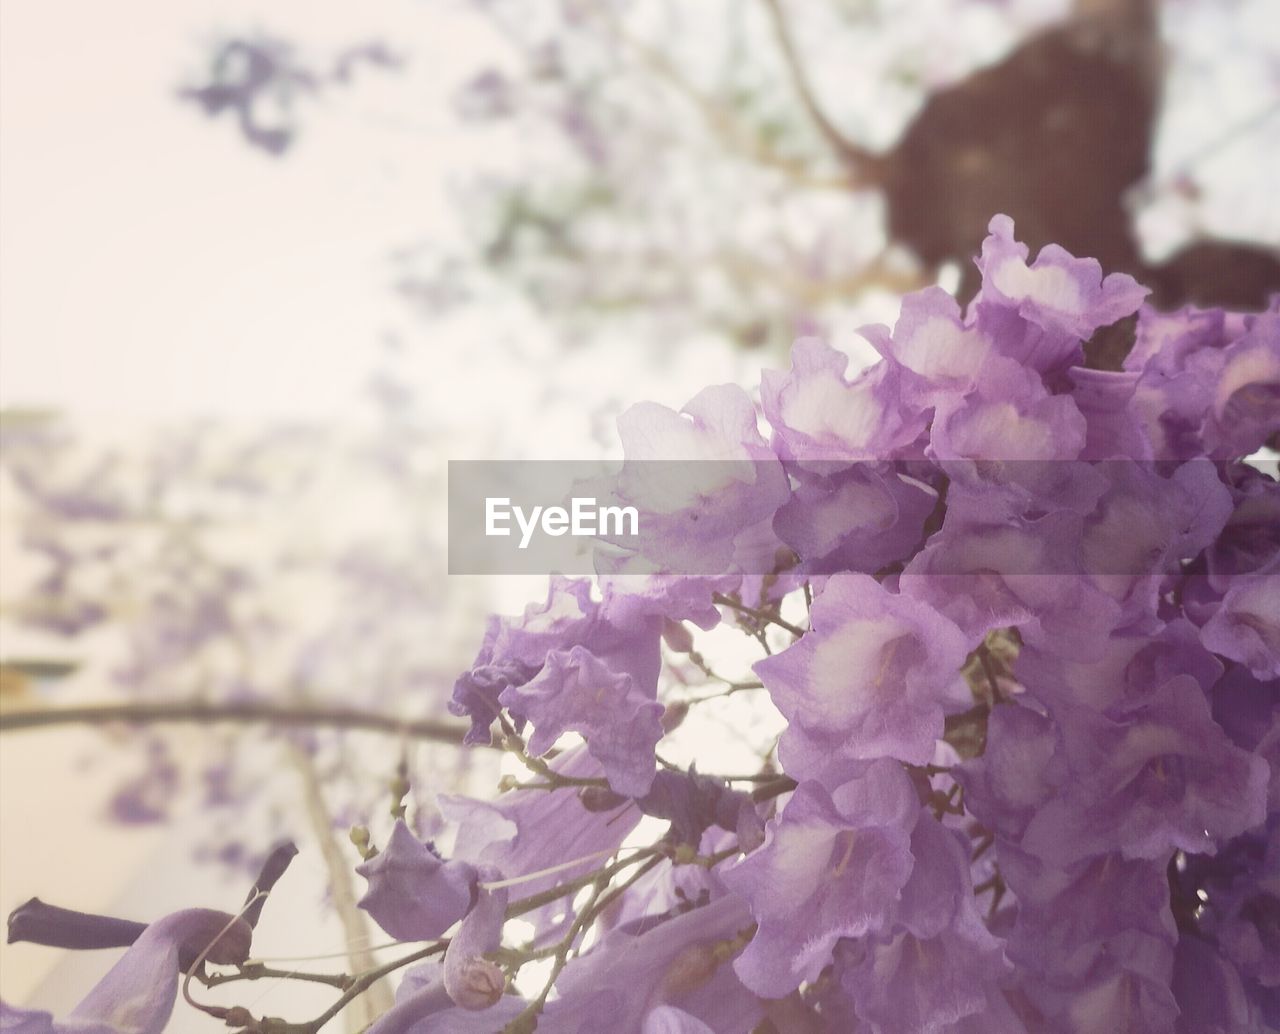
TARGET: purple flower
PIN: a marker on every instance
(476, 692)
(423, 1006)
(1039, 313)
(1132, 982)
(1144, 524)
(873, 678)
(1234, 898)
(413, 894)
(702, 480)
(1211, 997)
(1019, 770)
(1128, 670)
(859, 518)
(522, 832)
(1008, 448)
(1246, 627)
(1208, 381)
(1071, 920)
(625, 638)
(668, 1020)
(986, 573)
(137, 995)
(633, 601)
(1114, 428)
(832, 865)
(1091, 938)
(576, 692)
(819, 416)
(945, 356)
(938, 964)
(1248, 710)
(38, 923)
(471, 980)
(693, 803)
(1245, 408)
(682, 961)
(1165, 776)
(569, 615)
(1251, 538)
(1009, 416)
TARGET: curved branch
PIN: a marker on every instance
(720, 120)
(870, 166)
(241, 713)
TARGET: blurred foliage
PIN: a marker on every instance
(755, 167)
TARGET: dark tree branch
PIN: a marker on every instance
(202, 712)
(869, 166)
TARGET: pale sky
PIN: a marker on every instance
(152, 263)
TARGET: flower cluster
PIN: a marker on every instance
(1022, 620)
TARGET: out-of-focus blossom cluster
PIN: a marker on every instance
(671, 181)
(294, 568)
(1022, 620)
(687, 170)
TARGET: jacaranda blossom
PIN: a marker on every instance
(1021, 619)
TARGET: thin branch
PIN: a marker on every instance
(203, 712)
(257, 971)
(560, 890)
(513, 743)
(362, 984)
(764, 617)
(870, 166)
(600, 900)
(720, 120)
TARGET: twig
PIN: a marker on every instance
(722, 123)
(203, 712)
(599, 901)
(760, 615)
(560, 890)
(870, 166)
(514, 744)
(257, 971)
(362, 984)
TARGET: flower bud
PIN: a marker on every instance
(481, 985)
(600, 798)
(64, 928)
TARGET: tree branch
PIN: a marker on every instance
(719, 119)
(870, 166)
(202, 712)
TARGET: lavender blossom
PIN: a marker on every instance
(413, 893)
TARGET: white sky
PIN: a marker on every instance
(153, 264)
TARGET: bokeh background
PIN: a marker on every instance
(266, 268)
